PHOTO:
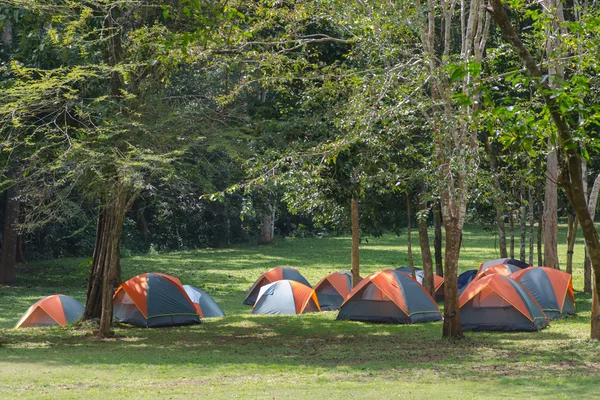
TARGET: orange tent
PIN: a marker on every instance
(389, 296)
(438, 281)
(552, 288)
(498, 303)
(57, 309)
(506, 261)
(273, 275)
(286, 297)
(154, 299)
(500, 269)
(333, 290)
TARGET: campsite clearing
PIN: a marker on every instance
(264, 357)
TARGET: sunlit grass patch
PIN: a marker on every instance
(258, 356)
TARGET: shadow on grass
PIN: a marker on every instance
(313, 340)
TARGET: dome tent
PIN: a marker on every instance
(153, 300)
(498, 303)
(333, 290)
(273, 275)
(205, 305)
(465, 278)
(286, 297)
(506, 261)
(500, 269)
(553, 289)
(57, 309)
(389, 296)
(438, 281)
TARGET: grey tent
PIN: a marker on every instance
(273, 275)
(206, 306)
(286, 297)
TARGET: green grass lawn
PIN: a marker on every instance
(265, 357)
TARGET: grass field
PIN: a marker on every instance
(265, 357)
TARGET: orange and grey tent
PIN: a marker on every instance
(389, 296)
(333, 290)
(286, 297)
(205, 305)
(553, 289)
(465, 278)
(273, 275)
(498, 303)
(500, 269)
(152, 300)
(438, 281)
(506, 261)
(57, 309)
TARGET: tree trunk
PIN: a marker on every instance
(411, 261)
(10, 236)
(551, 214)
(20, 258)
(425, 250)
(587, 265)
(268, 225)
(571, 236)
(355, 240)
(555, 76)
(498, 199)
(540, 232)
(7, 34)
(523, 217)
(105, 274)
(437, 239)
(452, 326)
(531, 227)
(511, 224)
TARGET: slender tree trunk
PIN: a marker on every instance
(355, 241)
(551, 214)
(93, 302)
(7, 34)
(437, 239)
(571, 236)
(8, 260)
(411, 261)
(425, 249)
(540, 232)
(587, 265)
(498, 199)
(555, 77)
(268, 225)
(511, 224)
(523, 220)
(531, 227)
(20, 258)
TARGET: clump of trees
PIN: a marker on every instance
(125, 121)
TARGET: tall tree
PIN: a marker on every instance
(455, 139)
(91, 118)
(567, 130)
